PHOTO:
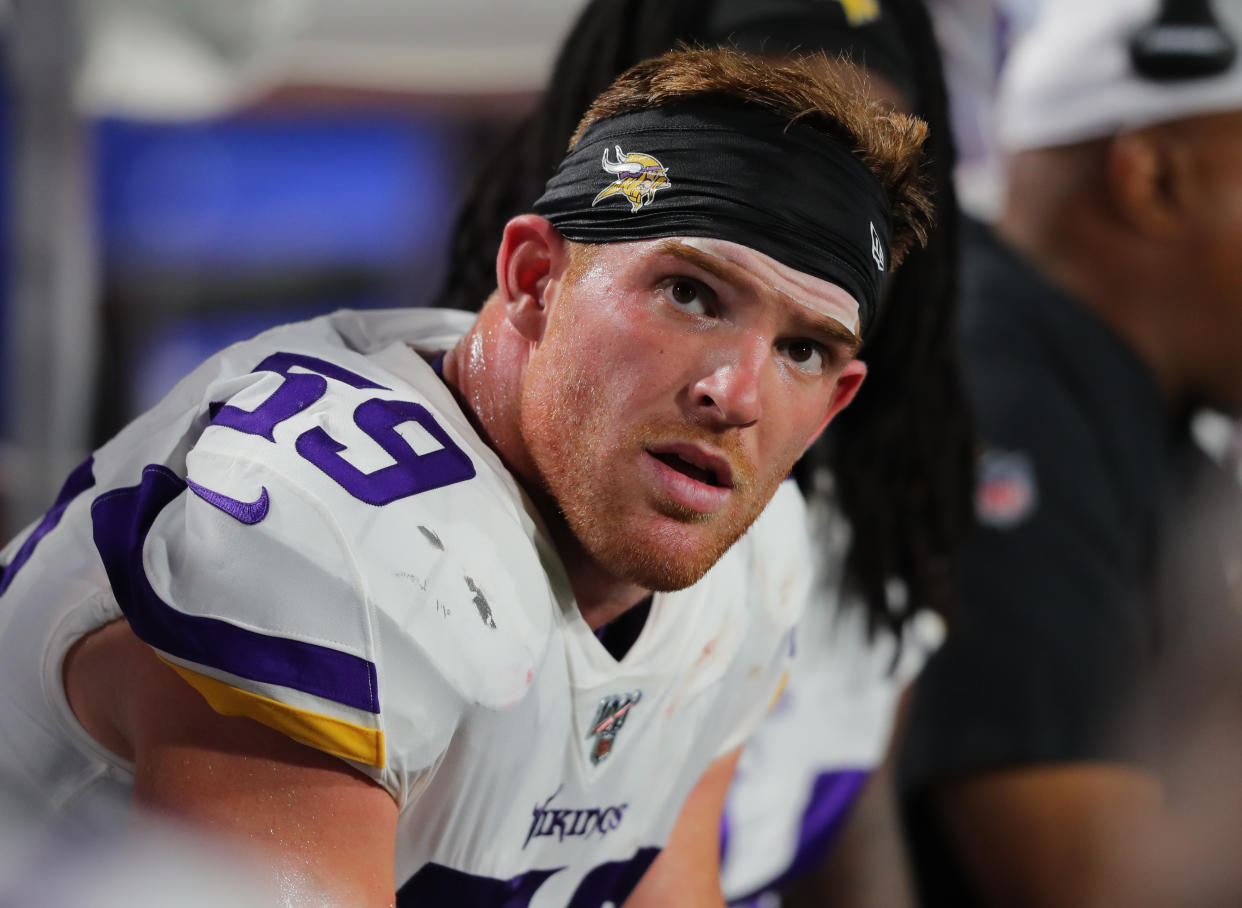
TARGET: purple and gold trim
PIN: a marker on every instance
(327, 733)
(122, 519)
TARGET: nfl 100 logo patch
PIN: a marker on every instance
(609, 719)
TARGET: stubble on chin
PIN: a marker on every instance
(675, 545)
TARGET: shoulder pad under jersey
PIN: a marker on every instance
(353, 573)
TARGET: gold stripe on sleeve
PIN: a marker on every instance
(326, 733)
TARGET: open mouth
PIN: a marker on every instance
(705, 475)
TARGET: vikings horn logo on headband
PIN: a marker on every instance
(638, 177)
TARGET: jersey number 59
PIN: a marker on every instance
(409, 474)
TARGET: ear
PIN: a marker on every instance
(1149, 177)
(848, 383)
(529, 267)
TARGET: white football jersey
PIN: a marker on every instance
(807, 762)
(308, 530)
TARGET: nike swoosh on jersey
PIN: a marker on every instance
(248, 512)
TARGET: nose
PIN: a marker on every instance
(727, 394)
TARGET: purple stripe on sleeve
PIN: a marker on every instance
(122, 518)
(832, 797)
(81, 479)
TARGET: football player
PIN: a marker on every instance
(486, 606)
(890, 481)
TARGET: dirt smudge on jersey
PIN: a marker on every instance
(480, 602)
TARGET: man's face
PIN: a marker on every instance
(676, 383)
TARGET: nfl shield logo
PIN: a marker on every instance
(1005, 493)
(609, 718)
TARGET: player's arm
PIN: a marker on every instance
(1044, 836)
(687, 872)
(326, 831)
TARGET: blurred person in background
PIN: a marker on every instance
(1099, 611)
(975, 37)
(336, 596)
(889, 482)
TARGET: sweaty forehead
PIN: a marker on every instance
(814, 294)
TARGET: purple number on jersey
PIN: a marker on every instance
(297, 392)
(409, 474)
(613, 882)
(436, 886)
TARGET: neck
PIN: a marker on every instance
(600, 595)
(484, 371)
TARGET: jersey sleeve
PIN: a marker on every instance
(363, 628)
(252, 599)
(1053, 631)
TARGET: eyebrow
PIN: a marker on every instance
(735, 276)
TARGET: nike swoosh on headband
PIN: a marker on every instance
(248, 512)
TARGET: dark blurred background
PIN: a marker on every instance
(182, 174)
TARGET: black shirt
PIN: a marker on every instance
(1059, 628)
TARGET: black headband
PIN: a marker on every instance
(731, 172)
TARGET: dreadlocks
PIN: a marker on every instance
(902, 453)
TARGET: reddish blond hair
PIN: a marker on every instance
(814, 90)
